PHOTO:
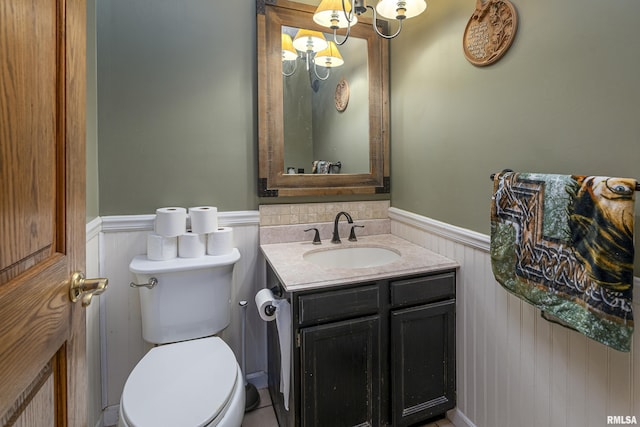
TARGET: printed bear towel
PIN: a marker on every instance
(564, 243)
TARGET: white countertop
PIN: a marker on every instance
(296, 274)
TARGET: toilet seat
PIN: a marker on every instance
(186, 384)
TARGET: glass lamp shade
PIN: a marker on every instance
(400, 9)
(331, 15)
(308, 40)
(288, 52)
(330, 57)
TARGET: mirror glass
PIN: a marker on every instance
(320, 135)
(338, 122)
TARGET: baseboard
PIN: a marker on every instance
(258, 379)
(459, 419)
(110, 415)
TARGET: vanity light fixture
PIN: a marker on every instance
(330, 57)
(309, 41)
(289, 54)
(288, 51)
(336, 14)
(314, 50)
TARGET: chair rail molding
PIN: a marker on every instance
(460, 235)
(457, 234)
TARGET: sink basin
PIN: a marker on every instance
(352, 257)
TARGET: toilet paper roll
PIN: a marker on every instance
(264, 298)
(192, 245)
(204, 219)
(171, 221)
(220, 241)
(160, 248)
(282, 314)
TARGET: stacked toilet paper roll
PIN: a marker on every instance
(171, 221)
(220, 241)
(171, 238)
(192, 245)
(204, 219)
(161, 248)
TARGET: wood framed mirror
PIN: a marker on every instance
(341, 120)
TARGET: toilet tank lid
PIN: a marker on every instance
(142, 265)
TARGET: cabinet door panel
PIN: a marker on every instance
(341, 373)
(423, 362)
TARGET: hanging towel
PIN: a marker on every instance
(283, 323)
(564, 243)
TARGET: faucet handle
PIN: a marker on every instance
(352, 235)
(316, 238)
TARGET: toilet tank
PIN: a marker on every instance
(192, 298)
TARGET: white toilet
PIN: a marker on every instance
(193, 378)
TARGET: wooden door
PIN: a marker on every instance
(42, 211)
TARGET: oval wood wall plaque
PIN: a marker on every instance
(342, 95)
(490, 31)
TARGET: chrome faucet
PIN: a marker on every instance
(336, 234)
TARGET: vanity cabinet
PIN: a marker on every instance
(367, 354)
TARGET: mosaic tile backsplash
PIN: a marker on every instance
(307, 213)
(286, 223)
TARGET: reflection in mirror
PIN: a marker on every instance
(325, 103)
(342, 102)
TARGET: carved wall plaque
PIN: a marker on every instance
(342, 95)
(490, 31)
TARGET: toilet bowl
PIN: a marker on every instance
(193, 383)
(191, 377)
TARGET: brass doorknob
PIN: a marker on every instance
(79, 287)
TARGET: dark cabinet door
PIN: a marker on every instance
(422, 362)
(341, 373)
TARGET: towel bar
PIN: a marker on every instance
(509, 170)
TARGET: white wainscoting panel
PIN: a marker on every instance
(92, 269)
(124, 237)
(515, 369)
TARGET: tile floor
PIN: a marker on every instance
(264, 416)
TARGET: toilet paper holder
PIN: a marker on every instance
(150, 284)
(269, 310)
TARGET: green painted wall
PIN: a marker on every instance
(176, 104)
(92, 210)
(564, 99)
